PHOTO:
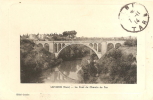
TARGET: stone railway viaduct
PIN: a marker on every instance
(99, 47)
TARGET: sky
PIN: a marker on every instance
(86, 20)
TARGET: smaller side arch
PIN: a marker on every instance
(117, 45)
(99, 47)
(55, 48)
(91, 45)
(95, 46)
(40, 45)
(63, 45)
(59, 46)
(46, 46)
(110, 46)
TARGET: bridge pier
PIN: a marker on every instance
(103, 48)
(56, 55)
(99, 56)
(51, 47)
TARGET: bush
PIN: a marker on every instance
(118, 67)
(33, 60)
(130, 42)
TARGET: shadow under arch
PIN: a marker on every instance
(46, 46)
(75, 44)
(117, 45)
(110, 46)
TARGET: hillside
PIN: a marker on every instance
(119, 66)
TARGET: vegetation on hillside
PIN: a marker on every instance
(131, 42)
(89, 71)
(33, 60)
(117, 66)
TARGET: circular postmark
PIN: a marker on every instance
(133, 17)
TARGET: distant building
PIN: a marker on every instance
(41, 36)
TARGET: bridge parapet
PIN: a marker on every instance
(114, 42)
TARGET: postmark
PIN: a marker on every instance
(133, 17)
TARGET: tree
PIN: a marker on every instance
(118, 67)
(34, 59)
(70, 34)
(131, 42)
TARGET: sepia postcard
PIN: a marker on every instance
(73, 50)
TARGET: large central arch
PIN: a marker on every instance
(66, 45)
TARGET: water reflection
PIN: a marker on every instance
(70, 68)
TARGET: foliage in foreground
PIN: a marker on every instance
(118, 67)
(33, 60)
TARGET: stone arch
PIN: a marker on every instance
(63, 45)
(117, 45)
(110, 46)
(77, 43)
(91, 45)
(59, 46)
(46, 46)
(55, 48)
(40, 45)
(99, 47)
(95, 46)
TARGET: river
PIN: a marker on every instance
(70, 68)
(67, 72)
